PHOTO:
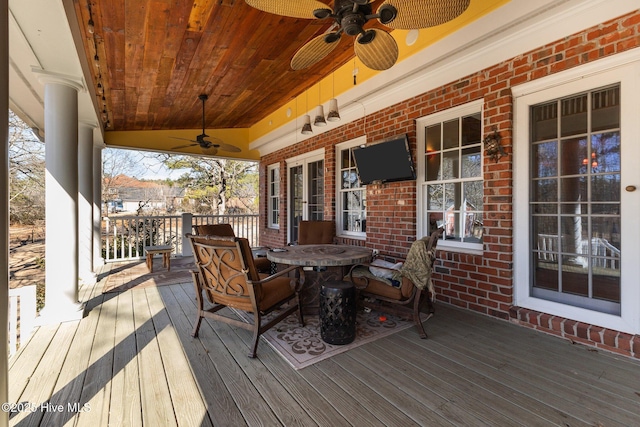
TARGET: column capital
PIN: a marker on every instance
(48, 77)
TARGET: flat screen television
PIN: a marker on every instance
(387, 161)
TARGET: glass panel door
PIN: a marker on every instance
(575, 200)
(306, 192)
(295, 201)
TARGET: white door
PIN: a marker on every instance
(305, 178)
(577, 197)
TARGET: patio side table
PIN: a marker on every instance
(338, 312)
(164, 250)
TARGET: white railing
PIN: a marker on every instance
(22, 316)
(124, 237)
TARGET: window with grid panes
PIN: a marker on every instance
(575, 199)
(451, 185)
(351, 197)
(273, 184)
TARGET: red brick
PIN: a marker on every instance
(609, 337)
(624, 342)
(595, 334)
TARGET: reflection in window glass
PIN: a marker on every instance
(454, 190)
(352, 200)
(575, 200)
(273, 186)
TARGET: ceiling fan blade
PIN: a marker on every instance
(227, 147)
(416, 14)
(184, 146)
(294, 9)
(183, 139)
(314, 50)
(377, 49)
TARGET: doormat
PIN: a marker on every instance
(303, 346)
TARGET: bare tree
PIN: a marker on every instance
(214, 182)
(26, 173)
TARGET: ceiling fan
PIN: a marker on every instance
(208, 147)
(376, 48)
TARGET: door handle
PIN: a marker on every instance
(630, 188)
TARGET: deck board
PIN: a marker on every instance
(42, 381)
(132, 357)
(96, 390)
(187, 402)
(544, 380)
(126, 407)
(154, 391)
(26, 360)
(399, 399)
(249, 401)
(71, 381)
(220, 403)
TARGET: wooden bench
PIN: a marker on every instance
(165, 251)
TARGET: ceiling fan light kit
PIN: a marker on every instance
(376, 48)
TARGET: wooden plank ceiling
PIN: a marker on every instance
(156, 56)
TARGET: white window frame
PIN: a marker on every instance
(362, 140)
(271, 169)
(623, 69)
(422, 226)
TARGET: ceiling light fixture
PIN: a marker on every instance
(319, 120)
(334, 114)
(306, 120)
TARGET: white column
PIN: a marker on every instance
(187, 228)
(61, 193)
(85, 203)
(4, 209)
(98, 261)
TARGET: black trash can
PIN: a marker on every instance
(338, 312)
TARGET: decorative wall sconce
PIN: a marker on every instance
(492, 147)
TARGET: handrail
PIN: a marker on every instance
(125, 236)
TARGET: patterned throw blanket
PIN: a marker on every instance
(417, 267)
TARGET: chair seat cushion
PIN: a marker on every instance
(376, 285)
(263, 265)
(274, 291)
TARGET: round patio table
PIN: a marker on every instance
(320, 255)
(330, 262)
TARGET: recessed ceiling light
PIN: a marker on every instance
(412, 37)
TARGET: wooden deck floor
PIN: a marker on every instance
(131, 361)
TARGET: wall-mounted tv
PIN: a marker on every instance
(385, 162)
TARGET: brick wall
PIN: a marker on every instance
(480, 283)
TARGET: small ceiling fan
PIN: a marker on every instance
(376, 48)
(208, 147)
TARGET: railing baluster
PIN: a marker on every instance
(148, 230)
